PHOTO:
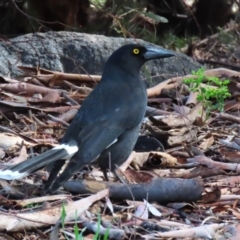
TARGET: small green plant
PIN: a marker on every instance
(33, 205)
(212, 94)
(78, 235)
(97, 236)
(106, 234)
(63, 216)
(76, 232)
(171, 41)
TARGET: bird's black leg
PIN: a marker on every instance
(73, 166)
(54, 172)
(104, 170)
(118, 176)
(118, 152)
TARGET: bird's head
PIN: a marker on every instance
(133, 56)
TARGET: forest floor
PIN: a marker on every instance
(182, 179)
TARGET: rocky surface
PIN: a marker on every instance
(80, 53)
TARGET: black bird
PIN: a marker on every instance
(106, 126)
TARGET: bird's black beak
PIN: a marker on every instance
(153, 53)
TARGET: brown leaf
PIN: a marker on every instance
(208, 142)
(137, 176)
(22, 156)
(184, 120)
(187, 137)
(213, 196)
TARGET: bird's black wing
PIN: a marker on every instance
(93, 140)
(104, 116)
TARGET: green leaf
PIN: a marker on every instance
(80, 236)
(76, 231)
(156, 18)
(63, 214)
(97, 234)
(106, 234)
(208, 94)
(203, 90)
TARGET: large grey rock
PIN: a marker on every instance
(80, 53)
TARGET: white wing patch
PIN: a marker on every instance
(70, 149)
(10, 175)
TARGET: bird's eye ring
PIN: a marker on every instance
(136, 51)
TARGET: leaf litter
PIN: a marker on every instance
(197, 158)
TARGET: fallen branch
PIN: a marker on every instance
(213, 164)
(206, 231)
(54, 77)
(162, 190)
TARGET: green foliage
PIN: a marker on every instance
(209, 94)
(227, 38)
(131, 18)
(106, 234)
(154, 18)
(63, 216)
(98, 3)
(174, 42)
(33, 205)
(96, 236)
(79, 235)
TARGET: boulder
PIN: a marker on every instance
(73, 52)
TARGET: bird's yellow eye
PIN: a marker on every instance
(136, 51)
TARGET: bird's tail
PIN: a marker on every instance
(62, 151)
